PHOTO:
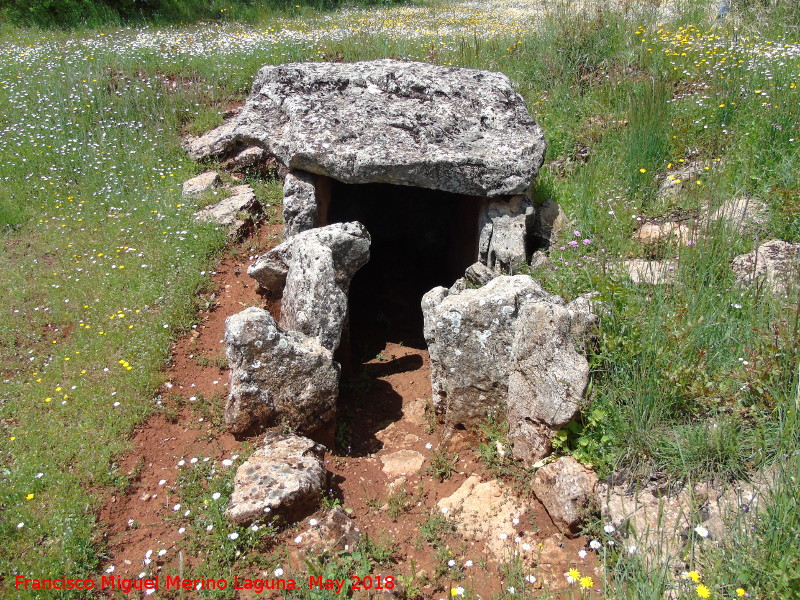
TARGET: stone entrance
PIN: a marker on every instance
(421, 238)
(403, 180)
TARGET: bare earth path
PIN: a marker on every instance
(382, 475)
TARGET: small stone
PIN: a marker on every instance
(199, 184)
(285, 474)
(566, 489)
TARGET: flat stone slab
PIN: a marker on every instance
(458, 130)
(285, 477)
(402, 462)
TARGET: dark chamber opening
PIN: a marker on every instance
(421, 239)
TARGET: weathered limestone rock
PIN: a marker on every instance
(219, 141)
(508, 348)
(547, 380)
(652, 233)
(566, 489)
(314, 269)
(481, 511)
(505, 228)
(742, 214)
(478, 274)
(300, 211)
(251, 157)
(236, 212)
(284, 477)
(457, 130)
(277, 376)
(550, 220)
(775, 263)
(402, 462)
(335, 532)
(653, 272)
(470, 336)
(199, 184)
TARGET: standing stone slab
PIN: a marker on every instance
(470, 335)
(284, 477)
(548, 378)
(300, 211)
(313, 269)
(277, 376)
(457, 130)
(509, 348)
(505, 229)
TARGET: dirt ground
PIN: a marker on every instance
(387, 410)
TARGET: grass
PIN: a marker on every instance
(105, 264)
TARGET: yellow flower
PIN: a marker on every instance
(703, 591)
(642, 170)
(587, 582)
(740, 592)
(29, 497)
(574, 573)
(695, 576)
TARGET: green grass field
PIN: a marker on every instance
(102, 261)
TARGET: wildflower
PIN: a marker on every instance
(278, 572)
(233, 536)
(530, 578)
(29, 497)
(428, 446)
(444, 510)
(451, 563)
(701, 531)
(694, 576)
(511, 590)
(182, 530)
(457, 591)
(254, 528)
(313, 522)
(227, 462)
(209, 528)
(576, 233)
(468, 563)
(503, 536)
(298, 539)
(609, 529)
(582, 553)
(740, 592)
(587, 582)
(595, 545)
(20, 525)
(632, 549)
(703, 591)
(215, 496)
(526, 547)
(162, 552)
(575, 574)
(642, 170)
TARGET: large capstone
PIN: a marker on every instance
(510, 349)
(278, 377)
(283, 477)
(313, 270)
(457, 130)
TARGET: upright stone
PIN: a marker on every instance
(313, 270)
(278, 377)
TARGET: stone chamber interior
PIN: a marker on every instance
(421, 239)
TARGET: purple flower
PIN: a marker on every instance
(576, 233)
(573, 244)
(587, 241)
